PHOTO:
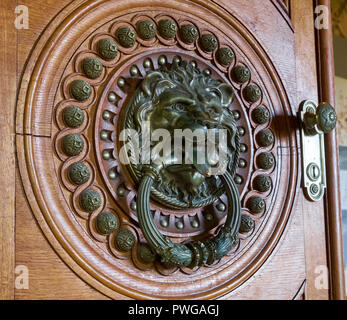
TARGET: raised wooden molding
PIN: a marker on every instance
(38, 162)
(8, 53)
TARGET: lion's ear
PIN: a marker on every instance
(162, 86)
(151, 79)
(227, 94)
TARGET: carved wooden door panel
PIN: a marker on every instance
(89, 225)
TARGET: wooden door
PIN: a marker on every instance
(269, 53)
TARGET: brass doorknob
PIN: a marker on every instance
(324, 119)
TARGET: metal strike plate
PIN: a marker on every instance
(313, 155)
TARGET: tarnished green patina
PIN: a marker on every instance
(90, 200)
(189, 33)
(124, 240)
(72, 144)
(73, 116)
(107, 49)
(247, 224)
(256, 205)
(265, 161)
(146, 254)
(225, 56)
(265, 138)
(146, 29)
(167, 28)
(80, 90)
(209, 42)
(261, 115)
(92, 67)
(180, 96)
(262, 183)
(188, 99)
(126, 37)
(252, 93)
(241, 74)
(106, 222)
(79, 173)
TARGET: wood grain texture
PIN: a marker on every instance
(36, 168)
(294, 241)
(8, 52)
(49, 277)
(315, 241)
(326, 80)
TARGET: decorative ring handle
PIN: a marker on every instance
(196, 253)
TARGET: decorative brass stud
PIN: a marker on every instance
(189, 33)
(107, 49)
(167, 28)
(112, 97)
(225, 56)
(72, 144)
(121, 192)
(208, 42)
(179, 225)
(164, 223)
(145, 253)
(238, 180)
(80, 90)
(262, 183)
(266, 160)
(79, 173)
(261, 115)
(147, 63)
(255, 205)
(106, 115)
(126, 37)
(241, 131)
(236, 115)
(243, 147)
(124, 240)
(134, 71)
(252, 93)
(73, 116)
(92, 67)
(121, 82)
(207, 72)
(265, 138)
(242, 163)
(133, 206)
(106, 155)
(146, 29)
(221, 207)
(241, 74)
(247, 224)
(106, 222)
(112, 174)
(194, 224)
(162, 60)
(90, 200)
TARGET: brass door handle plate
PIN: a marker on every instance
(315, 122)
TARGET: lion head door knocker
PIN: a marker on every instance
(178, 97)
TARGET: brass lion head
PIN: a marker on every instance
(178, 97)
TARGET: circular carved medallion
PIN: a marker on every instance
(92, 209)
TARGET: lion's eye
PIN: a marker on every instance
(179, 107)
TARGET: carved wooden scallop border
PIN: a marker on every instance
(54, 215)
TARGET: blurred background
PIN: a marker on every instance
(339, 17)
